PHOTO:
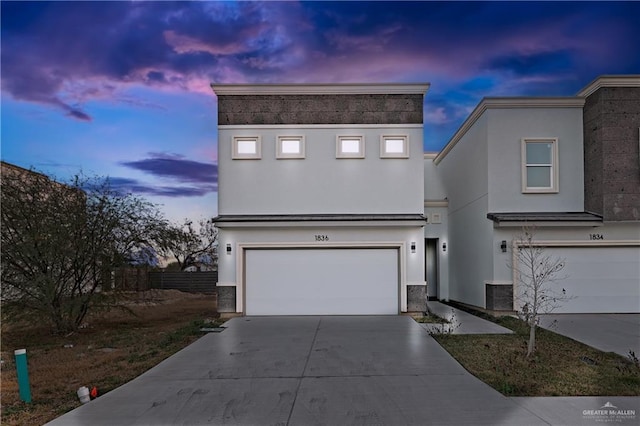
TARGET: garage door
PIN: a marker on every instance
(602, 279)
(321, 282)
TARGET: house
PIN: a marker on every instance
(327, 204)
(320, 199)
(570, 168)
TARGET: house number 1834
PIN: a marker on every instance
(596, 237)
(322, 238)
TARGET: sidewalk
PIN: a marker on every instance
(461, 322)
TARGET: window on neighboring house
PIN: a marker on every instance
(246, 148)
(396, 146)
(350, 147)
(539, 165)
(290, 147)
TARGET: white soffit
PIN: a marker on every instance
(321, 89)
(506, 103)
(610, 81)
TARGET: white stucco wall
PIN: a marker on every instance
(320, 183)
(505, 129)
(433, 187)
(464, 172)
(483, 173)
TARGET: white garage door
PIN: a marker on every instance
(602, 279)
(321, 282)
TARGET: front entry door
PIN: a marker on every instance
(431, 267)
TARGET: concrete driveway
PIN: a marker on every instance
(383, 370)
(619, 333)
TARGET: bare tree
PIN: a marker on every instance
(536, 276)
(60, 243)
(190, 246)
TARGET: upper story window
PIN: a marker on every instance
(539, 165)
(246, 148)
(290, 147)
(350, 147)
(394, 146)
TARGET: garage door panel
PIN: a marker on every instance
(321, 281)
(601, 279)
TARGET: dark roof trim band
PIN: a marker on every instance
(319, 218)
(545, 217)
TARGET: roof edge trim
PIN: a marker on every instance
(610, 81)
(321, 89)
(506, 103)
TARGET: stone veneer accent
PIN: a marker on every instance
(499, 297)
(320, 109)
(611, 157)
(226, 298)
(416, 298)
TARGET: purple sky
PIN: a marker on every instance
(122, 88)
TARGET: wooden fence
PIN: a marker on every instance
(131, 279)
(191, 282)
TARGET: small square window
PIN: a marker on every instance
(539, 165)
(394, 146)
(246, 148)
(290, 147)
(350, 147)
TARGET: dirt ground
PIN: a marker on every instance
(110, 350)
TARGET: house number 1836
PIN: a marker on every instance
(322, 238)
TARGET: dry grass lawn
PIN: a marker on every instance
(559, 367)
(113, 349)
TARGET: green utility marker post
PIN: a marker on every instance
(23, 375)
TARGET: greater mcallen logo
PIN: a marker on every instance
(609, 413)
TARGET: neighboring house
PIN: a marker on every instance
(568, 166)
(320, 199)
(325, 198)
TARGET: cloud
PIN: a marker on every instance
(73, 112)
(188, 178)
(67, 54)
(134, 186)
(184, 44)
(175, 167)
(436, 116)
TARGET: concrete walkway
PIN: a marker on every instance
(619, 333)
(461, 322)
(382, 370)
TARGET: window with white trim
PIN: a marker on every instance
(246, 148)
(539, 165)
(290, 147)
(394, 146)
(350, 147)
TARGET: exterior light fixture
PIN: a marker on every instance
(503, 246)
(444, 246)
(413, 247)
(228, 248)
